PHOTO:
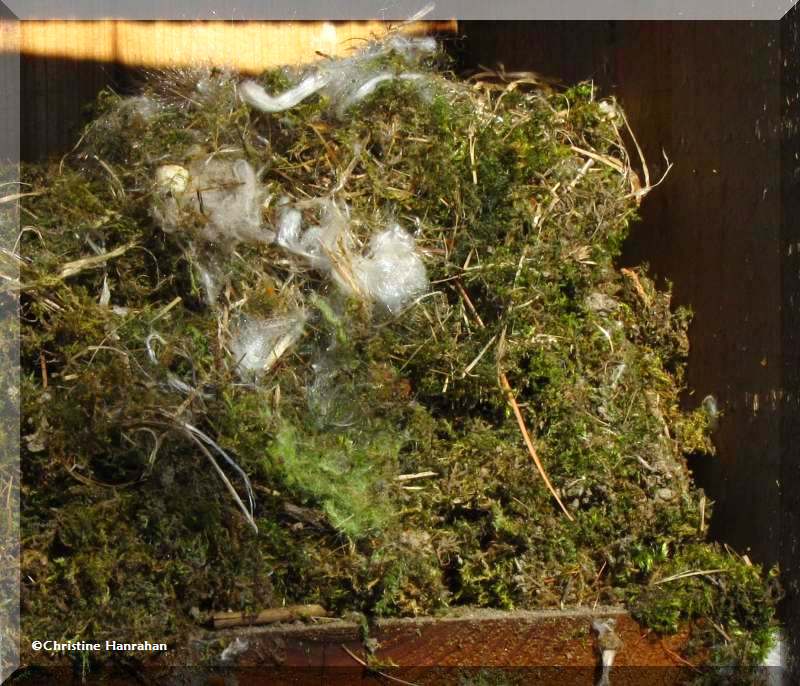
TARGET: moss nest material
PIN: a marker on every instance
(283, 341)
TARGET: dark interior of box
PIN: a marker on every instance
(722, 100)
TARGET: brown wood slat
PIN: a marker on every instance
(247, 46)
(481, 638)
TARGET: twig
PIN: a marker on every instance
(596, 579)
(702, 514)
(646, 171)
(472, 158)
(677, 657)
(528, 442)
(17, 196)
(639, 193)
(290, 613)
(43, 365)
(77, 266)
(469, 304)
(419, 475)
(111, 173)
(605, 159)
(721, 631)
(509, 393)
(607, 335)
(166, 309)
(383, 674)
(474, 362)
(522, 257)
(685, 575)
(583, 170)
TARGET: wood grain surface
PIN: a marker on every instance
(247, 46)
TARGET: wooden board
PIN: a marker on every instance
(246, 46)
(525, 647)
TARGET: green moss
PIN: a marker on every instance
(341, 473)
(725, 597)
(389, 471)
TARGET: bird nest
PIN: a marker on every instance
(353, 334)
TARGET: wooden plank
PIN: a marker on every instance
(85, 40)
(467, 638)
(246, 46)
(530, 647)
